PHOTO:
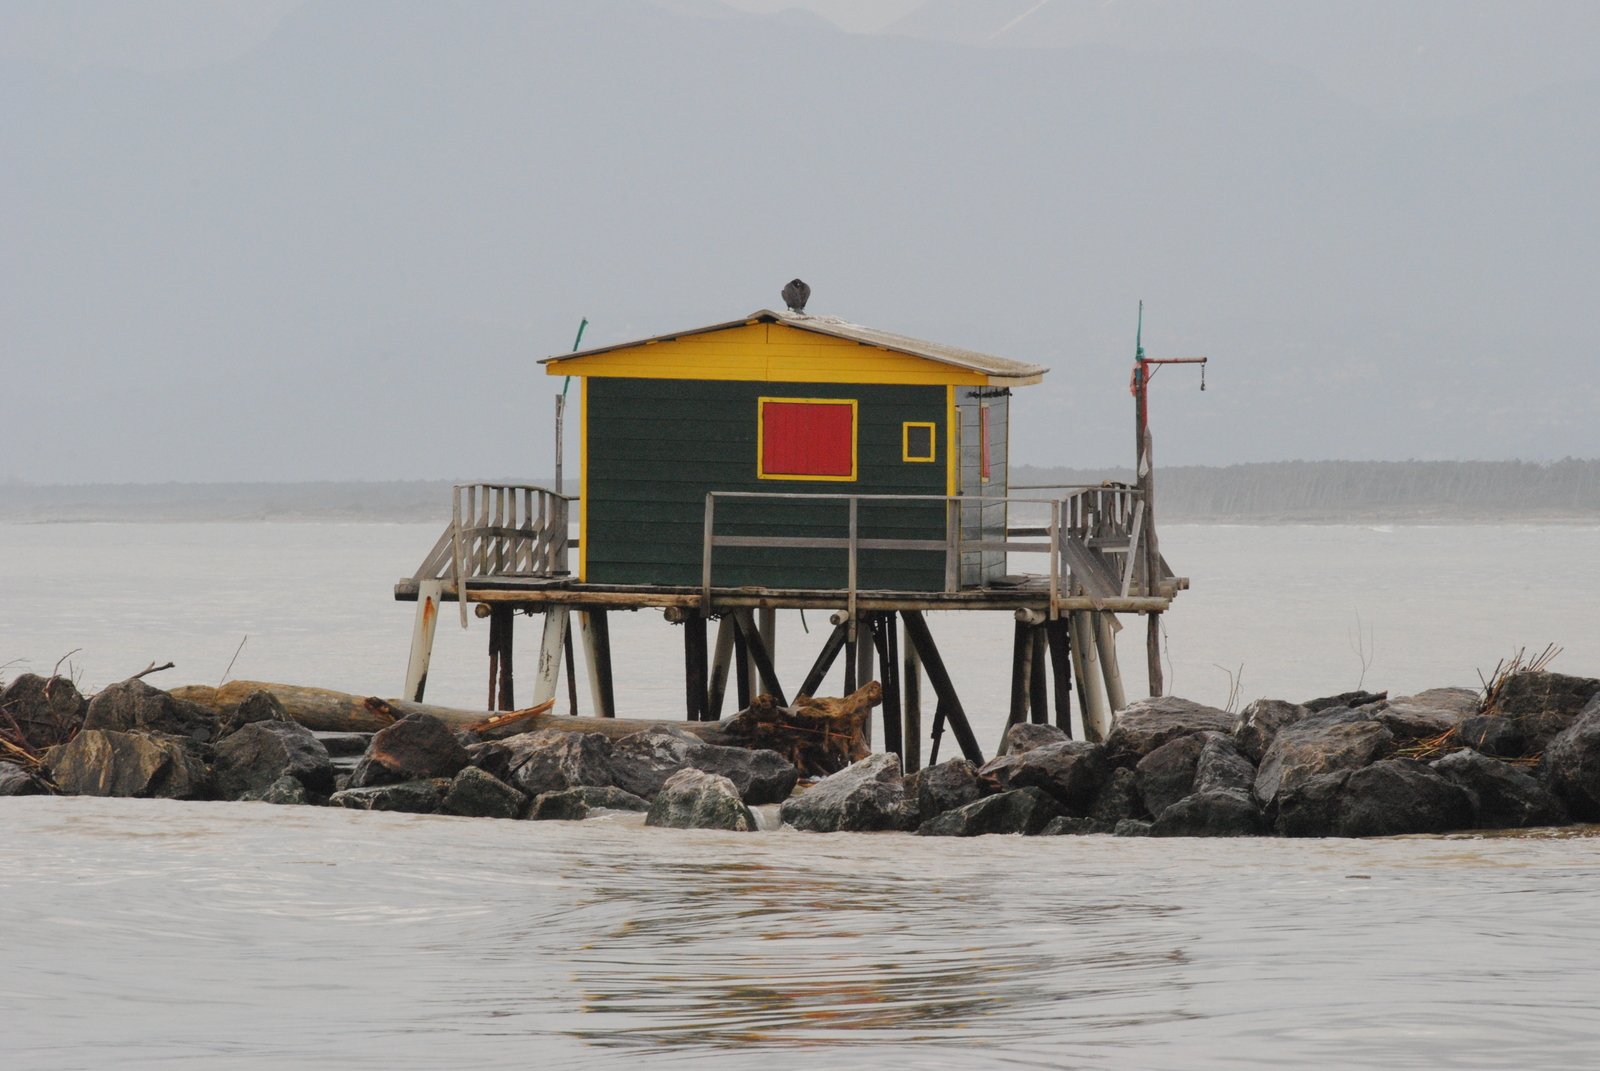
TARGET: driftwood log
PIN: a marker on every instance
(819, 736)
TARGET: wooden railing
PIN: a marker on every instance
(501, 530)
(1094, 539)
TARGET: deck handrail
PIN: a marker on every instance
(1087, 532)
(500, 530)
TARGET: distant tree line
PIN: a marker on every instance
(1332, 491)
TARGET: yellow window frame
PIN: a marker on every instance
(761, 439)
(905, 440)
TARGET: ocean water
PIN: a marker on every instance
(148, 934)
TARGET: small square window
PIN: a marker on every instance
(807, 439)
(917, 441)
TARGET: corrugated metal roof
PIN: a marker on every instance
(1002, 370)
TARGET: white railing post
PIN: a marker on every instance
(705, 555)
(852, 595)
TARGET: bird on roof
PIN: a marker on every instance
(796, 294)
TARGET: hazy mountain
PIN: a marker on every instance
(338, 254)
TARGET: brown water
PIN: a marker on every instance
(150, 934)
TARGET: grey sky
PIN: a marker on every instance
(324, 239)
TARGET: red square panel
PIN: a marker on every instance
(808, 439)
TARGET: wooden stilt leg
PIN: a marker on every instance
(911, 697)
(572, 669)
(1038, 678)
(428, 592)
(830, 653)
(495, 619)
(1061, 672)
(696, 702)
(949, 703)
(885, 638)
(1096, 711)
(596, 628)
(852, 660)
(1152, 645)
(865, 630)
(758, 655)
(1105, 636)
(1021, 672)
(721, 663)
(548, 671)
(502, 684)
(741, 660)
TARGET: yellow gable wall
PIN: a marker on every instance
(766, 352)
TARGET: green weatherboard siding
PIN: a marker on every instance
(657, 446)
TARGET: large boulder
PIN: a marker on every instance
(1542, 704)
(552, 759)
(694, 799)
(407, 797)
(1146, 725)
(641, 762)
(475, 793)
(134, 706)
(1322, 743)
(1166, 775)
(1428, 714)
(1223, 812)
(1503, 797)
(866, 796)
(253, 757)
(1025, 736)
(1259, 723)
(1072, 771)
(761, 776)
(571, 804)
(1572, 764)
(103, 762)
(47, 710)
(418, 747)
(1394, 796)
(1310, 808)
(1492, 735)
(936, 789)
(1222, 767)
(1023, 811)
(15, 781)
(257, 706)
(285, 791)
(1118, 800)
(1347, 700)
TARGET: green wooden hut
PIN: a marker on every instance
(785, 406)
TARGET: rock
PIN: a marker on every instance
(1350, 700)
(251, 758)
(1224, 812)
(1492, 735)
(407, 797)
(1025, 811)
(1428, 714)
(1222, 767)
(642, 762)
(283, 791)
(418, 747)
(102, 762)
(1260, 722)
(1543, 705)
(1320, 744)
(15, 781)
(255, 707)
(1025, 736)
(1119, 799)
(1146, 725)
(571, 804)
(936, 789)
(551, 760)
(1572, 764)
(345, 745)
(1504, 797)
(865, 796)
(475, 793)
(1310, 808)
(47, 710)
(761, 776)
(1072, 771)
(694, 799)
(134, 706)
(1131, 827)
(1063, 825)
(1395, 796)
(1166, 775)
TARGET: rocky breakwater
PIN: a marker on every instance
(1526, 753)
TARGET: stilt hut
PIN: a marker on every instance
(790, 460)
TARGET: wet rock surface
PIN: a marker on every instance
(1394, 796)
(1149, 723)
(1222, 812)
(417, 747)
(252, 758)
(759, 776)
(103, 762)
(1166, 775)
(1494, 736)
(1572, 764)
(134, 706)
(867, 796)
(475, 793)
(642, 762)
(1260, 722)
(1072, 771)
(1337, 739)
(1503, 797)
(551, 760)
(694, 799)
(1025, 736)
(1223, 767)
(1024, 811)
(936, 789)
(47, 710)
(407, 797)
(574, 803)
